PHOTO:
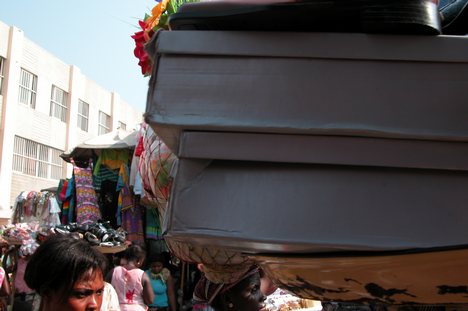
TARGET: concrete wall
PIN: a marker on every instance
(36, 124)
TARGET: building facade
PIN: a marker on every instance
(46, 108)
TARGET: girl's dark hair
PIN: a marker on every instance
(159, 257)
(134, 253)
(59, 262)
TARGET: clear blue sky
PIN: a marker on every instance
(94, 35)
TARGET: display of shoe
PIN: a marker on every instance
(96, 233)
(98, 230)
(419, 17)
(61, 231)
(454, 17)
(76, 235)
(91, 238)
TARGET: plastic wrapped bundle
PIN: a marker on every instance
(219, 265)
(156, 162)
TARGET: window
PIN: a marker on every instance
(58, 104)
(104, 123)
(2, 74)
(83, 115)
(28, 88)
(32, 158)
(122, 126)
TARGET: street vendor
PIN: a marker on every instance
(241, 295)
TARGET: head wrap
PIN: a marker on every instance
(206, 290)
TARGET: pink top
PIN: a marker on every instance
(20, 284)
(127, 284)
(2, 276)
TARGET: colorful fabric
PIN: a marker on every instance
(127, 284)
(153, 224)
(87, 208)
(132, 223)
(155, 166)
(139, 148)
(112, 158)
(125, 200)
(104, 173)
(125, 197)
(62, 189)
(70, 197)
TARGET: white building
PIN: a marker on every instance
(47, 107)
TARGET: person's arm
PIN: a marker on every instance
(148, 294)
(5, 292)
(171, 294)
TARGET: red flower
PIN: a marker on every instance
(141, 37)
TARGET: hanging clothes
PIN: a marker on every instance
(125, 200)
(112, 158)
(18, 207)
(153, 232)
(87, 209)
(132, 222)
(53, 218)
(104, 174)
(71, 201)
(129, 209)
(33, 206)
(153, 224)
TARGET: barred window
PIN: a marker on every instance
(104, 123)
(122, 126)
(2, 74)
(32, 158)
(83, 115)
(58, 104)
(28, 88)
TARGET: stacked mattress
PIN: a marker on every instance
(314, 144)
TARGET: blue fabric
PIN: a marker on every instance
(160, 292)
(70, 194)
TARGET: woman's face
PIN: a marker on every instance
(247, 296)
(156, 267)
(86, 295)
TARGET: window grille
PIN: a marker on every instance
(58, 104)
(28, 88)
(122, 126)
(83, 115)
(104, 123)
(34, 159)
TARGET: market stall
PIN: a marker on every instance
(125, 179)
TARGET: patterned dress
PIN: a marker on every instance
(87, 208)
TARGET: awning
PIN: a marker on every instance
(118, 139)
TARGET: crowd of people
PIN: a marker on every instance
(67, 273)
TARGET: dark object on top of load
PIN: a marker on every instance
(367, 16)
